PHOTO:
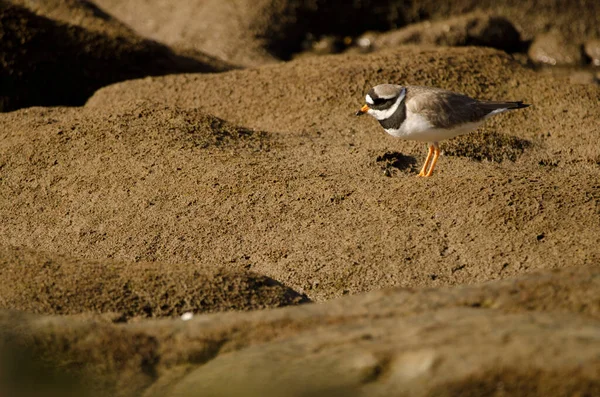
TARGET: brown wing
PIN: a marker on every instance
(445, 109)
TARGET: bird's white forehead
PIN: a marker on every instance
(369, 99)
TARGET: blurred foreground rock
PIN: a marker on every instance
(520, 337)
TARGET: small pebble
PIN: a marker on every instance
(365, 43)
(592, 50)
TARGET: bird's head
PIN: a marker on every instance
(383, 101)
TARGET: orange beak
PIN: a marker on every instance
(363, 110)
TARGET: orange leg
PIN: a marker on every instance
(436, 154)
(429, 154)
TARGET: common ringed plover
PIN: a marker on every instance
(429, 114)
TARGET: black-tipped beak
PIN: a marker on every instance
(363, 110)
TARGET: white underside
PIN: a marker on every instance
(416, 128)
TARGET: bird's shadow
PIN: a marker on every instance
(395, 161)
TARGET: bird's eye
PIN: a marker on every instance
(379, 101)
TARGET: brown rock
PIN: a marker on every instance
(242, 32)
(555, 50)
(472, 29)
(82, 13)
(48, 62)
(256, 32)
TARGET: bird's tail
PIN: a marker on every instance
(493, 105)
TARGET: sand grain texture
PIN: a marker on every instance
(298, 193)
(43, 283)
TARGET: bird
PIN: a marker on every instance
(429, 114)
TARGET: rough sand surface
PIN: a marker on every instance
(45, 283)
(301, 194)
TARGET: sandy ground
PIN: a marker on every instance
(242, 182)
